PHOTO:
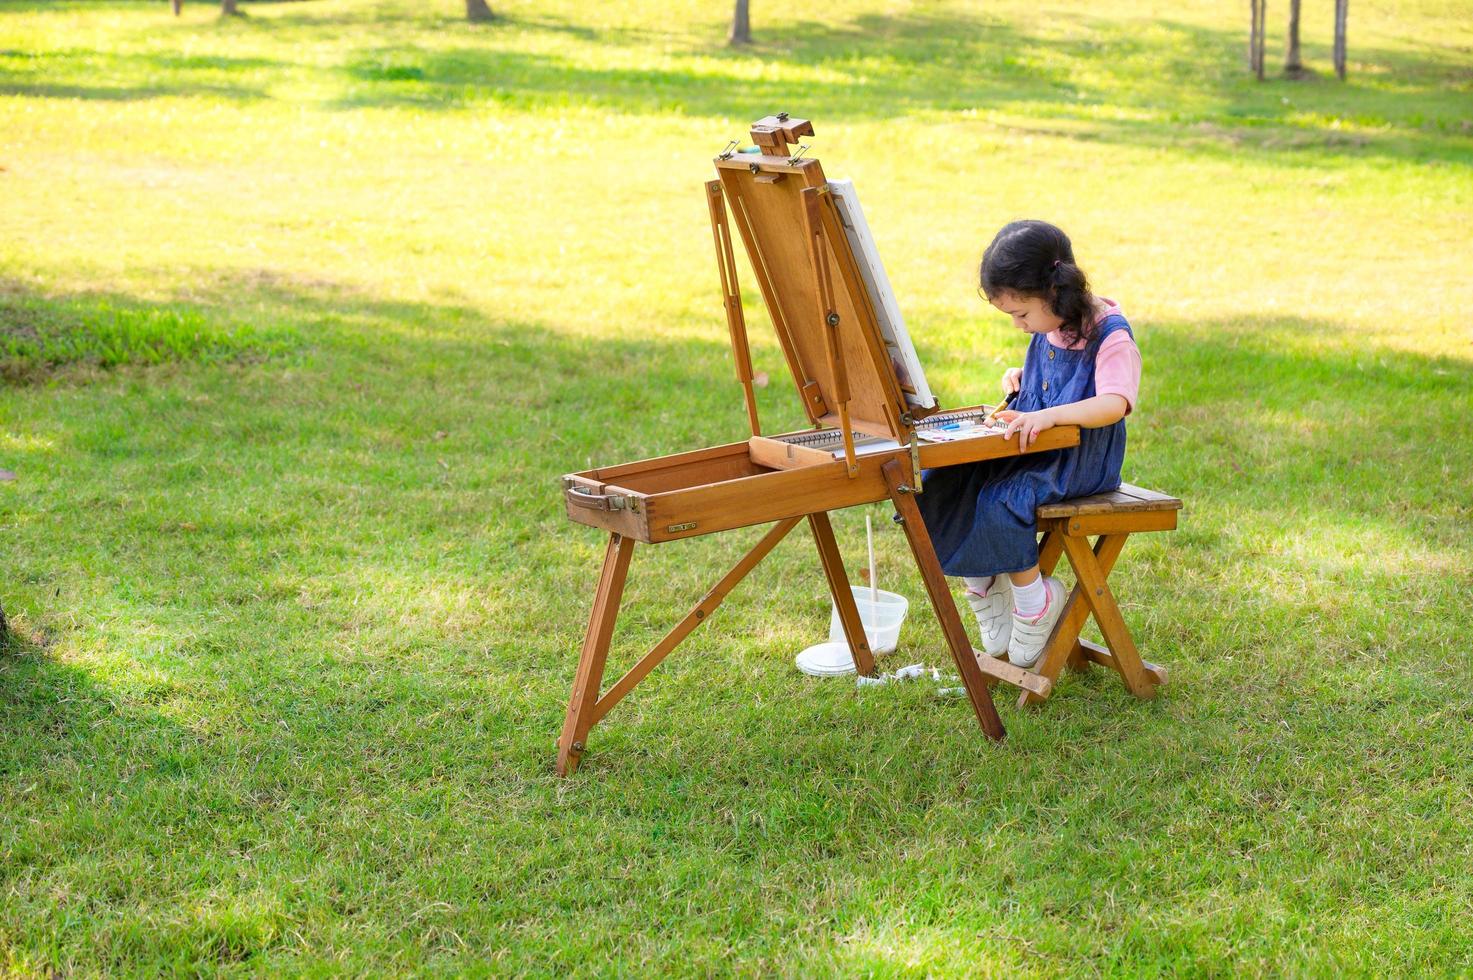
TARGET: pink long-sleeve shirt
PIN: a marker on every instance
(1117, 362)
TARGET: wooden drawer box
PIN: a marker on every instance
(754, 482)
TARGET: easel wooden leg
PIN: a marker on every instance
(1096, 590)
(833, 570)
(967, 664)
(595, 653)
(1063, 642)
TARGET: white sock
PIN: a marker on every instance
(1029, 600)
(978, 585)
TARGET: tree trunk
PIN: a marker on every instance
(478, 12)
(1341, 9)
(741, 26)
(1258, 10)
(1292, 65)
(227, 9)
(178, 6)
(1252, 34)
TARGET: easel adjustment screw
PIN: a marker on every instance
(832, 319)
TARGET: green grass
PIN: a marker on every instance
(302, 315)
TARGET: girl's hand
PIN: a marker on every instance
(1012, 380)
(1028, 425)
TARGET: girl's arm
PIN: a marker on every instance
(1091, 413)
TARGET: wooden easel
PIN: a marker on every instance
(826, 324)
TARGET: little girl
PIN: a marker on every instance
(1082, 368)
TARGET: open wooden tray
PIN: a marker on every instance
(763, 479)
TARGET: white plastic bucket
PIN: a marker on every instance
(881, 619)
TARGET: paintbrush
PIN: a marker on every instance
(1001, 405)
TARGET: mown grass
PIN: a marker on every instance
(302, 315)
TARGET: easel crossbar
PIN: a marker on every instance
(697, 615)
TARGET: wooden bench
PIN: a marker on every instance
(1067, 526)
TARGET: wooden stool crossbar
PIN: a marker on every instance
(1067, 527)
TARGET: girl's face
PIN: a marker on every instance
(1031, 314)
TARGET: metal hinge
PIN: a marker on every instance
(915, 460)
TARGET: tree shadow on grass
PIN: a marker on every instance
(117, 93)
(878, 67)
(417, 598)
(1215, 376)
(56, 720)
(1097, 84)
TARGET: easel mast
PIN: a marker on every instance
(825, 341)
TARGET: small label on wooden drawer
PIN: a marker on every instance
(677, 528)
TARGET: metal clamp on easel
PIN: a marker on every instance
(915, 461)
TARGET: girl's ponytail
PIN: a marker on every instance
(1035, 258)
(1072, 301)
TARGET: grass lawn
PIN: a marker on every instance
(303, 314)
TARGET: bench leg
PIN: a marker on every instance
(1050, 547)
(1091, 573)
(595, 653)
(1063, 644)
(1060, 645)
(1079, 660)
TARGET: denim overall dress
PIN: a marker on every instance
(981, 515)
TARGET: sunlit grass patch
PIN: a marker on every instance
(311, 308)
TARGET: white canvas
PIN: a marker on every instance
(882, 297)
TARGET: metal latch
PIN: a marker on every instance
(598, 501)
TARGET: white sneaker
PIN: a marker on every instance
(1030, 636)
(994, 612)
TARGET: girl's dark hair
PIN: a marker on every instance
(1034, 258)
